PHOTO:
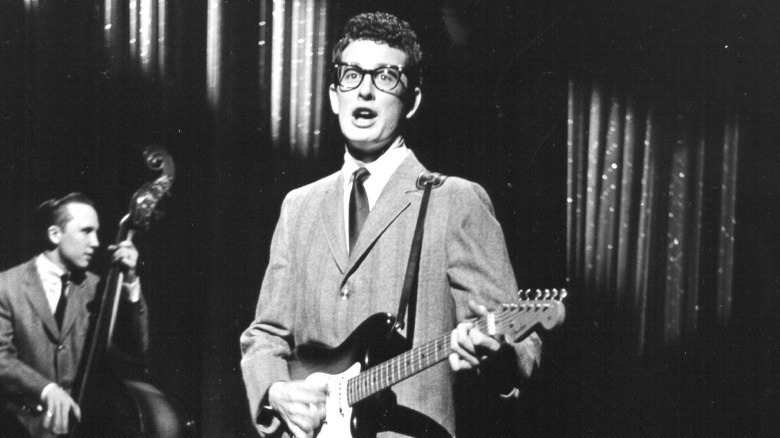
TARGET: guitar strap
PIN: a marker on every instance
(425, 181)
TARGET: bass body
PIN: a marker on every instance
(125, 408)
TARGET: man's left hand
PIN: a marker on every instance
(469, 345)
(126, 256)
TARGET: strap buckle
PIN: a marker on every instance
(436, 178)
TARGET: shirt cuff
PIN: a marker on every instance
(133, 290)
(47, 389)
(512, 394)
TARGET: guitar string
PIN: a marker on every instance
(372, 380)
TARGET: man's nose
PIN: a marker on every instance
(93, 240)
(366, 89)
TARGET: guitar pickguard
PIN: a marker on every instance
(372, 342)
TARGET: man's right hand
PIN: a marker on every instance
(59, 408)
(300, 405)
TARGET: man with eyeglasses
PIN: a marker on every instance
(339, 255)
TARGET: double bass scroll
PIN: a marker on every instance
(118, 400)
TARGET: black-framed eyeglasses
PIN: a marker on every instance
(349, 76)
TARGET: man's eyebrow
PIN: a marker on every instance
(384, 65)
(395, 66)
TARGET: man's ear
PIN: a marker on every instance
(334, 98)
(55, 234)
(414, 102)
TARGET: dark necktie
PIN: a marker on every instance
(358, 205)
(59, 313)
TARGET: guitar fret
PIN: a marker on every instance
(398, 370)
(369, 385)
(389, 373)
(358, 389)
(372, 383)
(419, 360)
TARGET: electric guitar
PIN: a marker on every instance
(362, 366)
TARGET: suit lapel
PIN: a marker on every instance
(33, 289)
(393, 201)
(332, 222)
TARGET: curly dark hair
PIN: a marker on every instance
(383, 28)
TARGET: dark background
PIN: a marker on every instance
(494, 111)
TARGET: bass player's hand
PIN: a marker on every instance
(59, 408)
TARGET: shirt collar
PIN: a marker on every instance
(47, 268)
(380, 169)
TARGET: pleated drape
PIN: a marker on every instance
(644, 216)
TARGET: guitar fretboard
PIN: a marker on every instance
(515, 319)
(397, 369)
(401, 367)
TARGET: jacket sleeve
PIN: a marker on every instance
(267, 342)
(478, 264)
(132, 332)
(18, 381)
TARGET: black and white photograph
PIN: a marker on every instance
(445, 218)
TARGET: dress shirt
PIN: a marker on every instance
(51, 278)
(380, 171)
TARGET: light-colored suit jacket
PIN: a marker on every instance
(464, 257)
(33, 350)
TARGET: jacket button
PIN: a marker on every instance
(344, 293)
(60, 348)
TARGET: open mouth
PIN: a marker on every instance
(363, 114)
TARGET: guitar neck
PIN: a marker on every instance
(401, 367)
(512, 321)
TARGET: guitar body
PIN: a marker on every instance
(359, 373)
(372, 342)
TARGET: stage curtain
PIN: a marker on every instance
(651, 215)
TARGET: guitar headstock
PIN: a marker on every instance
(538, 307)
(144, 201)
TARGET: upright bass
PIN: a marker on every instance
(116, 394)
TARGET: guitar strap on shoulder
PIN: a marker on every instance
(425, 181)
